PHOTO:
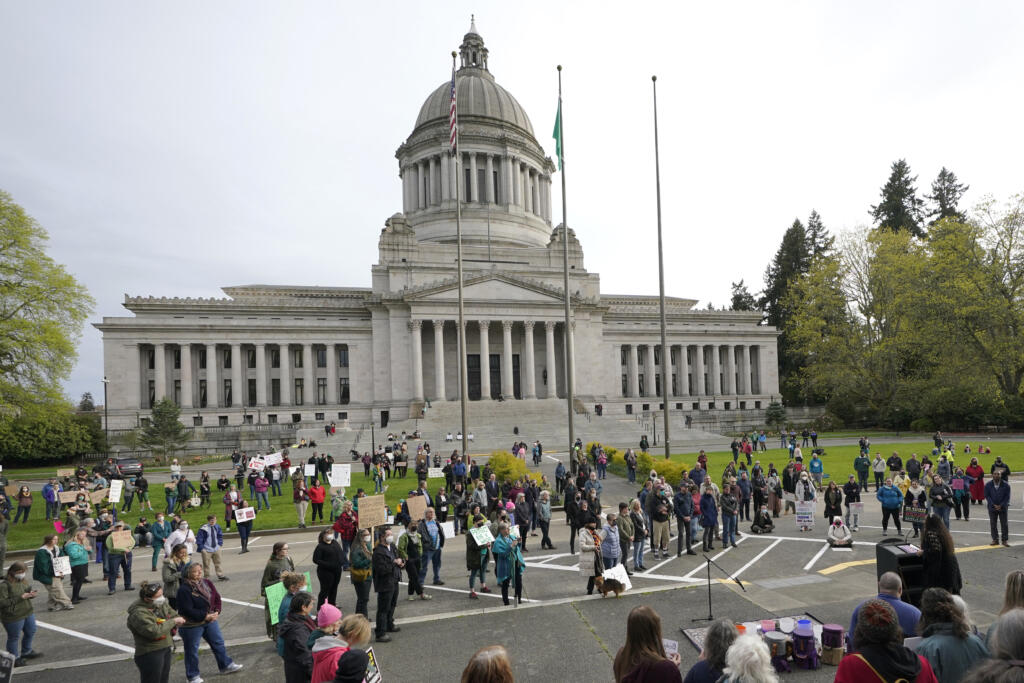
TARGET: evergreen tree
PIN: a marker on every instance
(165, 433)
(900, 208)
(790, 261)
(742, 299)
(819, 241)
(87, 405)
(945, 196)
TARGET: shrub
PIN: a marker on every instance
(671, 470)
(922, 424)
(507, 467)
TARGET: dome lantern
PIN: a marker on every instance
(472, 51)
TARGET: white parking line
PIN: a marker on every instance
(460, 590)
(715, 558)
(86, 636)
(756, 558)
(816, 557)
(242, 602)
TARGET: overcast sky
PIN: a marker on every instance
(171, 149)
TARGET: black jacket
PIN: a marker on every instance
(329, 556)
(428, 543)
(386, 573)
(298, 660)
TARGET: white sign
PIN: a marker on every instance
(435, 473)
(482, 535)
(272, 459)
(449, 529)
(257, 464)
(245, 514)
(671, 646)
(294, 469)
(62, 566)
(805, 514)
(116, 486)
(341, 475)
(310, 470)
(618, 573)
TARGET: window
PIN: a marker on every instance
(321, 391)
(466, 194)
(298, 358)
(657, 384)
(275, 392)
(296, 418)
(629, 409)
(743, 405)
(625, 384)
(321, 356)
(646, 407)
(757, 405)
(711, 405)
(272, 419)
(222, 420)
(197, 421)
(343, 393)
(481, 184)
(250, 357)
(227, 359)
(275, 358)
(177, 359)
(657, 355)
(202, 393)
(342, 416)
(247, 419)
(152, 394)
(145, 422)
(343, 356)
(679, 406)
(297, 396)
(696, 405)
(726, 405)
(641, 383)
(227, 392)
(623, 356)
(675, 385)
(202, 359)
(252, 392)
(319, 417)
(497, 195)
(151, 358)
(177, 392)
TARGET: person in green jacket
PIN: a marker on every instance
(4, 526)
(78, 550)
(16, 613)
(152, 622)
(42, 571)
(946, 639)
(160, 529)
(279, 562)
(119, 559)
(862, 465)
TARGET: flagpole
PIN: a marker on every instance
(666, 353)
(569, 355)
(462, 313)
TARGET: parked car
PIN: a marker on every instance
(129, 466)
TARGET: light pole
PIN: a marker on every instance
(106, 424)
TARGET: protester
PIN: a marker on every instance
(180, 535)
(345, 524)
(334, 637)
(476, 558)
(293, 639)
(78, 553)
(1007, 651)
(748, 661)
(610, 548)
(199, 603)
(4, 527)
(708, 517)
(410, 549)
(43, 572)
(489, 665)
(591, 564)
(997, 494)
(508, 564)
(947, 642)
(891, 499)
(890, 590)
(977, 478)
(317, 495)
(361, 567)
(16, 613)
(640, 534)
(941, 568)
(642, 657)
(171, 573)
(839, 535)
(300, 496)
(294, 583)
(278, 563)
(210, 541)
(119, 560)
(879, 651)
(151, 620)
(387, 572)
(329, 558)
(717, 640)
(24, 498)
(161, 530)
(763, 523)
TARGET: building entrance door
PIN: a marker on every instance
(473, 376)
(495, 375)
(517, 389)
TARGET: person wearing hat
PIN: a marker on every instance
(387, 572)
(151, 621)
(352, 667)
(42, 571)
(476, 558)
(879, 652)
(590, 538)
(119, 560)
(839, 534)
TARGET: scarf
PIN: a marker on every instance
(202, 587)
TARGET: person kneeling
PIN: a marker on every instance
(839, 534)
(762, 522)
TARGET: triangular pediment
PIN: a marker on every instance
(490, 287)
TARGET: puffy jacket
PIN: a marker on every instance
(890, 497)
(610, 544)
(261, 485)
(42, 568)
(293, 633)
(683, 503)
(77, 552)
(327, 650)
(151, 626)
(708, 510)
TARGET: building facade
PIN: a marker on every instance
(273, 354)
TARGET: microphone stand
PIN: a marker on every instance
(710, 562)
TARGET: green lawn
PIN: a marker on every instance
(281, 514)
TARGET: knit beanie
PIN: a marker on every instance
(327, 615)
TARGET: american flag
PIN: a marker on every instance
(453, 117)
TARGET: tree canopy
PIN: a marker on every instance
(900, 209)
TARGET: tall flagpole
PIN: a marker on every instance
(458, 235)
(666, 353)
(569, 351)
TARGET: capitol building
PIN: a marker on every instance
(281, 354)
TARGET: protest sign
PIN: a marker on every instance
(58, 526)
(66, 472)
(448, 528)
(618, 573)
(170, 485)
(97, 496)
(417, 507)
(857, 508)
(257, 464)
(482, 535)
(62, 566)
(372, 667)
(310, 470)
(957, 484)
(788, 497)
(275, 594)
(294, 469)
(435, 473)
(372, 512)
(116, 486)
(245, 514)
(121, 540)
(513, 531)
(340, 475)
(915, 513)
(670, 646)
(67, 496)
(805, 514)
(273, 459)
(7, 666)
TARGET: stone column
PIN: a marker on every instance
(684, 370)
(513, 180)
(744, 386)
(527, 366)
(762, 371)
(212, 377)
(507, 385)
(649, 372)
(439, 360)
(528, 189)
(261, 375)
(523, 188)
(490, 179)
(453, 170)
(421, 195)
(434, 185)
(286, 373)
(572, 354)
(633, 369)
(446, 177)
(474, 193)
(485, 361)
(236, 375)
(698, 371)
(186, 375)
(333, 397)
(415, 330)
(549, 350)
(308, 376)
(729, 385)
(159, 371)
(506, 181)
(715, 370)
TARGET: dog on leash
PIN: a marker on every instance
(606, 586)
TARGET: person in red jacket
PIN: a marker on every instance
(317, 495)
(879, 653)
(977, 474)
(346, 526)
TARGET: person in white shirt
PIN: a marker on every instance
(839, 535)
(181, 535)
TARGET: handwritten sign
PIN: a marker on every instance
(245, 514)
(957, 484)
(116, 486)
(417, 507)
(62, 566)
(805, 514)
(273, 459)
(310, 470)
(66, 472)
(97, 496)
(67, 496)
(449, 529)
(857, 508)
(121, 540)
(671, 646)
(372, 512)
(435, 473)
(915, 513)
(482, 535)
(372, 667)
(257, 464)
(275, 594)
(341, 475)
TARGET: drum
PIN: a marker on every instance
(776, 643)
(832, 635)
(805, 650)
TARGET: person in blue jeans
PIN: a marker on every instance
(16, 613)
(433, 542)
(200, 604)
(729, 505)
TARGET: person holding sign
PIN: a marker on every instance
(851, 496)
(278, 563)
(119, 546)
(916, 501)
(45, 571)
(509, 563)
(300, 496)
(476, 557)
(361, 563)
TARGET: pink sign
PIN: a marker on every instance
(957, 484)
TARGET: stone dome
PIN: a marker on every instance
(479, 95)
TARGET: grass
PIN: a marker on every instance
(282, 513)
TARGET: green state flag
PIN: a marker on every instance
(557, 134)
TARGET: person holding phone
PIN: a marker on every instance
(16, 613)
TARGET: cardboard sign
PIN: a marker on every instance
(116, 486)
(170, 485)
(62, 566)
(805, 514)
(121, 540)
(66, 472)
(914, 513)
(435, 473)
(273, 459)
(372, 512)
(417, 507)
(67, 496)
(340, 475)
(957, 484)
(97, 496)
(857, 508)
(618, 573)
(309, 470)
(245, 514)
(275, 594)
(372, 667)
(482, 535)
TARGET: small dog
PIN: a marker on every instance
(606, 586)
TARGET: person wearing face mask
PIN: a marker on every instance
(181, 535)
(387, 572)
(839, 535)
(329, 558)
(42, 571)
(232, 501)
(360, 567)
(16, 613)
(152, 621)
(763, 523)
(916, 497)
(278, 563)
(160, 529)
(171, 573)
(806, 492)
(293, 642)
(590, 537)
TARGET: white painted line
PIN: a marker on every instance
(714, 559)
(86, 636)
(806, 539)
(756, 558)
(548, 558)
(432, 587)
(663, 562)
(816, 557)
(952, 531)
(242, 603)
(539, 565)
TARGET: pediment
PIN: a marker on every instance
(489, 288)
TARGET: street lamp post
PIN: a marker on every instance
(106, 424)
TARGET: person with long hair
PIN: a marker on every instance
(151, 620)
(279, 562)
(1007, 650)
(941, 569)
(293, 639)
(360, 568)
(410, 549)
(717, 640)
(508, 564)
(590, 537)
(489, 665)
(17, 614)
(642, 657)
(879, 653)
(948, 644)
(328, 558)
(77, 550)
(1013, 598)
(200, 604)
(387, 572)
(748, 661)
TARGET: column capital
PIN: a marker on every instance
(438, 324)
(415, 324)
(550, 324)
(484, 324)
(507, 324)
(528, 325)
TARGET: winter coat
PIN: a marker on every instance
(950, 656)
(42, 568)
(624, 524)
(890, 497)
(327, 650)
(171, 574)
(346, 524)
(610, 544)
(13, 607)
(273, 570)
(151, 626)
(587, 547)
(708, 510)
(386, 574)
(293, 633)
(193, 606)
(77, 552)
(506, 557)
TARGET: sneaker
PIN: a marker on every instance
(32, 655)
(394, 629)
(111, 592)
(439, 582)
(426, 597)
(197, 679)
(473, 595)
(383, 639)
(994, 542)
(232, 668)
(1006, 543)
(412, 598)
(485, 589)
(222, 578)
